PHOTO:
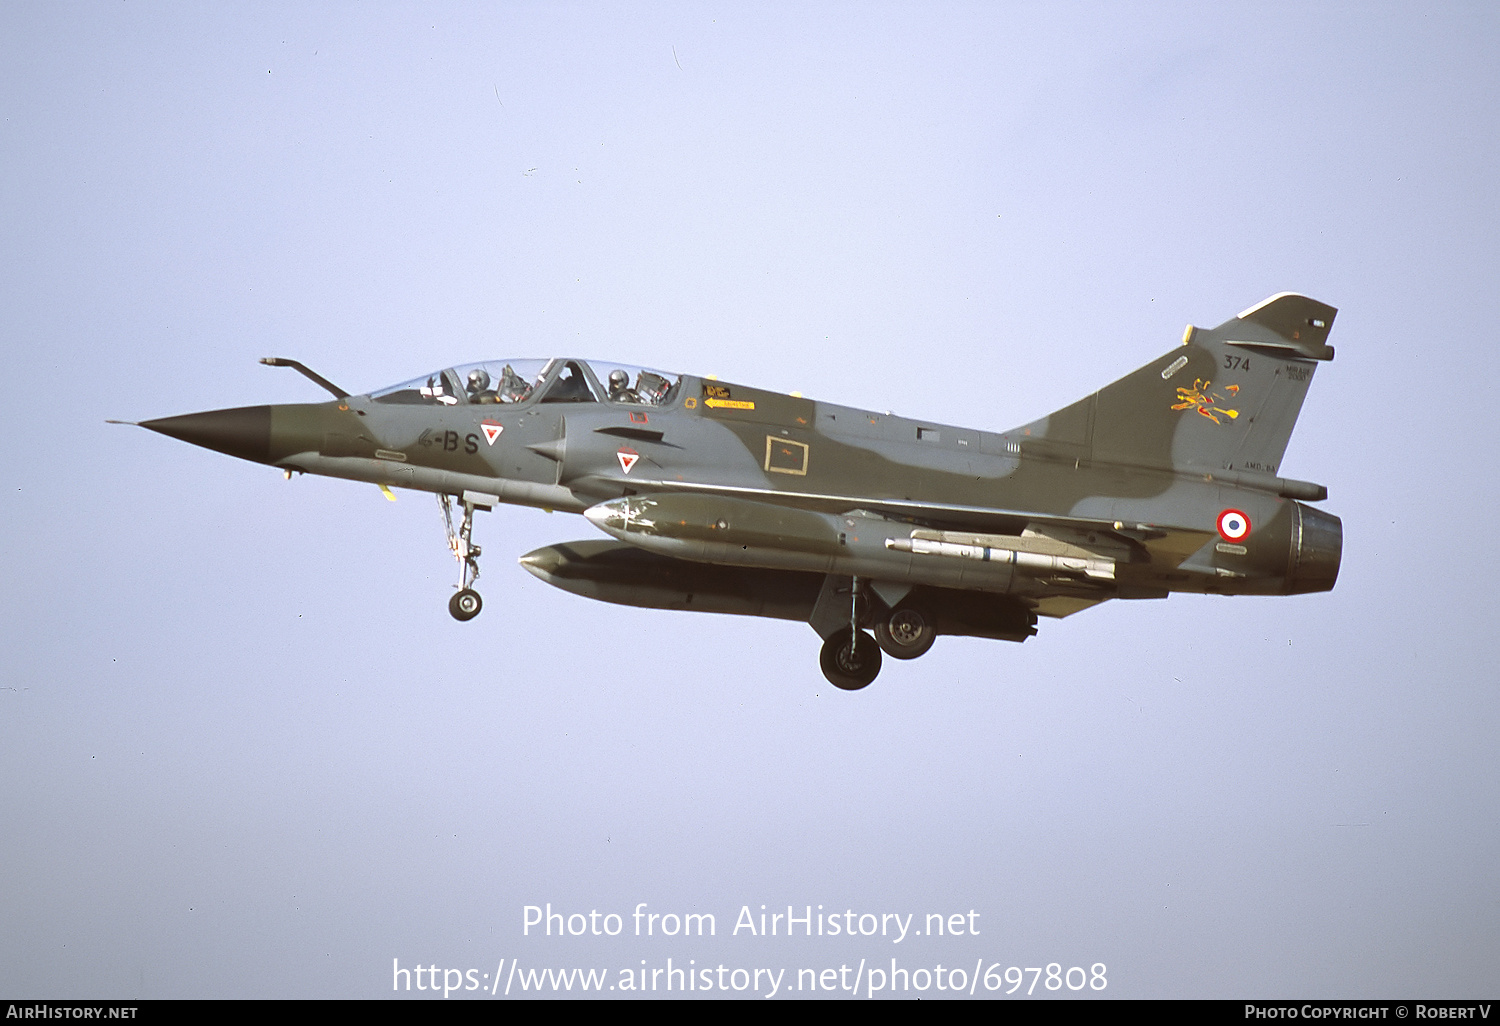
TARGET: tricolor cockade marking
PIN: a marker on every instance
(1233, 525)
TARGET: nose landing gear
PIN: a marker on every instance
(466, 604)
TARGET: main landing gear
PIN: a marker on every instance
(851, 658)
(906, 633)
(466, 604)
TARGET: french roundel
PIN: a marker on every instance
(1233, 525)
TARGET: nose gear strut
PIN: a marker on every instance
(464, 605)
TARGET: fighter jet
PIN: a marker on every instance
(723, 498)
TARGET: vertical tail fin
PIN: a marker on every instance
(1227, 399)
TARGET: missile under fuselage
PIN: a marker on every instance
(739, 532)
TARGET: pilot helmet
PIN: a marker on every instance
(479, 379)
(618, 380)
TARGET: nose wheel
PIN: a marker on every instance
(466, 604)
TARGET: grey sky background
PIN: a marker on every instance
(246, 751)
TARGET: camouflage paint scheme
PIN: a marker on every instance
(725, 498)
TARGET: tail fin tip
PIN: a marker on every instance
(1286, 320)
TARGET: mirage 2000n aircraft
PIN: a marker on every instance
(718, 497)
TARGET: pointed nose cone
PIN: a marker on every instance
(244, 432)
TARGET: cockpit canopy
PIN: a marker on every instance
(546, 381)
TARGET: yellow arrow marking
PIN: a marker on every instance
(730, 404)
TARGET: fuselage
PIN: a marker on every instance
(731, 475)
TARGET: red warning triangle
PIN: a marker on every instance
(627, 456)
(491, 431)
